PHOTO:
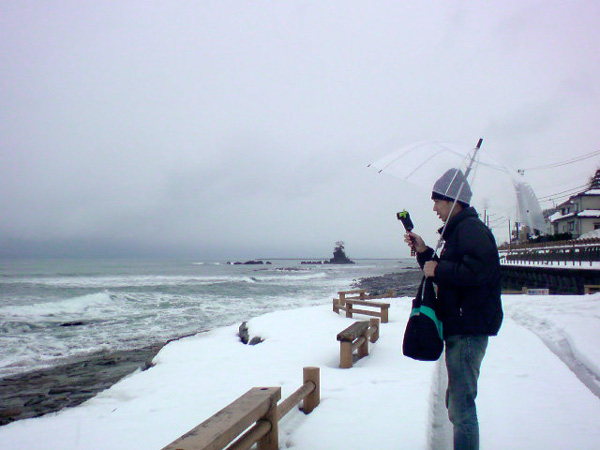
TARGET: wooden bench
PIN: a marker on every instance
(383, 313)
(356, 337)
(256, 413)
(526, 291)
(591, 288)
(537, 291)
(513, 291)
(348, 304)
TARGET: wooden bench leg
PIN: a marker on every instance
(345, 355)
(363, 348)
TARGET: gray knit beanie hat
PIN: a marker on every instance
(452, 186)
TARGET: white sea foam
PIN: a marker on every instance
(293, 276)
(131, 281)
(77, 306)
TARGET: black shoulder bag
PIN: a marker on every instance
(424, 337)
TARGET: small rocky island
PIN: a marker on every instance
(247, 263)
(339, 256)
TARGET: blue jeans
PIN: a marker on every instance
(463, 361)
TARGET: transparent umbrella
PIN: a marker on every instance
(496, 188)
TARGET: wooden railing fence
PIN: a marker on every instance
(573, 253)
(361, 298)
(550, 244)
(257, 412)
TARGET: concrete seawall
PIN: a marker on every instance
(559, 280)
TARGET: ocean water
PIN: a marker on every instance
(52, 311)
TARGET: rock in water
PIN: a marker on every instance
(339, 256)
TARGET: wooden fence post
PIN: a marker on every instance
(271, 440)
(312, 400)
(384, 315)
(374, 323)
(349, 307)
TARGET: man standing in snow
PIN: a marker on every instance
(467, 275)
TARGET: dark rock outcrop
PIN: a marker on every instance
(339, 256)
(244, 335)
(405, 284)
(255, 340)
(72, 324)
(248, 263)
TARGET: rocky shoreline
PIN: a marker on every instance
(404, 284)
(40, 392)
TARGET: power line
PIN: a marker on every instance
(556, 199)
(567, 192)
(563, 163)
(493, 223)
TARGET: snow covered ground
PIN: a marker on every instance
(539, 386)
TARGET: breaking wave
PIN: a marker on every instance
(77, 306)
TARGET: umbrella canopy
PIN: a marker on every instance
(490, 185)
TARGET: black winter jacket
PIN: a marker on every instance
(467, 277)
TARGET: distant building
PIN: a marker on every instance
(580, 214)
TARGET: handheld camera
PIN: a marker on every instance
(404, 217)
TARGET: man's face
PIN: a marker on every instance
(442, 209)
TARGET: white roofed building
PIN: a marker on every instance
(581, 213)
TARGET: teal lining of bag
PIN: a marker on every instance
(429, 312)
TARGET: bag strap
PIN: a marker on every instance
(430, 311)
(419, 296)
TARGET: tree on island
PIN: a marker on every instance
(339, 256)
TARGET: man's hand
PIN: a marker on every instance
(429, 269)
(415, 242)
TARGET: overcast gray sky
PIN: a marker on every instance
(242, 129)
